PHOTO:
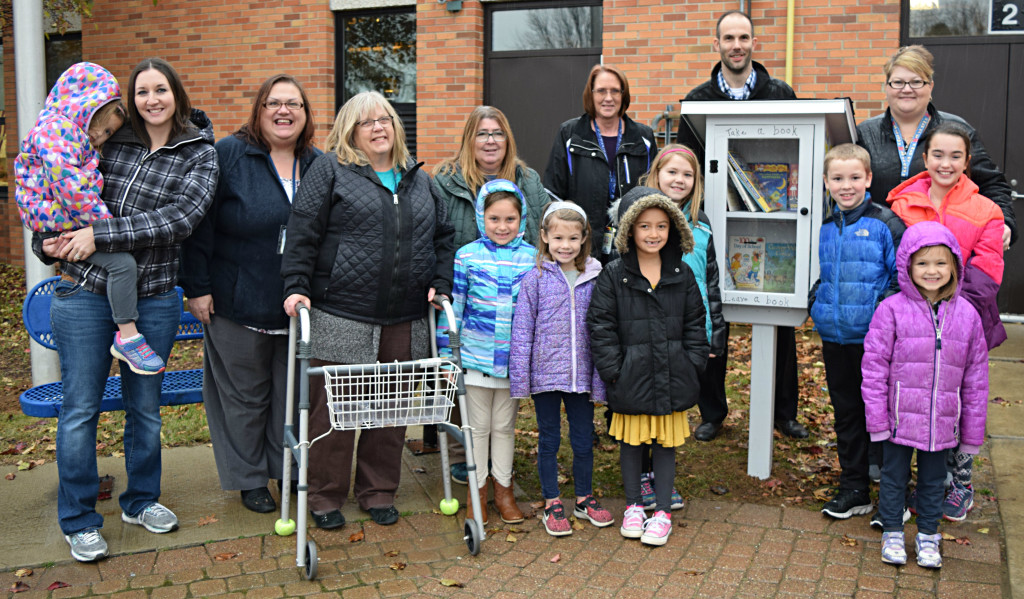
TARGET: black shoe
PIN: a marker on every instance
(876, 519)
(330, 520)
(385, 516)
(791, 428)
(707, 431)
(259, 500)
(848, 502)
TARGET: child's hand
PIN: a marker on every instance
(53, 246)
(80, 245)
(1006, 237)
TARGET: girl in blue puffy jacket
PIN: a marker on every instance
(488, 273)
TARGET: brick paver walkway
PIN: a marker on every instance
(717, 549)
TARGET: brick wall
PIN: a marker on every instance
(223, 49)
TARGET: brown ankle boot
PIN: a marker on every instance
(483, 501)
(505, 501)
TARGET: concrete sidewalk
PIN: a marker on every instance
(717, 548)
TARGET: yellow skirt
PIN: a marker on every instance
(636, 429)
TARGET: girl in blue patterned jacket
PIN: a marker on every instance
(487, 276)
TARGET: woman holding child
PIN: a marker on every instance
(159, 172)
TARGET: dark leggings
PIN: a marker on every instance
(664, 466)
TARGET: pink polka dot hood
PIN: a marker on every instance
(57, 168)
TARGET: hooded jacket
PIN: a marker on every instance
(157, 199)
(359, 251)
(550, 340)
(485, 289)
(703, 261)
(876, 135)
(233, 254)
(857, 256)
(461, 202)
(649, 344)
(578, 170)
(57, 169)
(925, 371)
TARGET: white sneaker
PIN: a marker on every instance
(155, 518)
(633, 522)
(87, 545)
(657, 529)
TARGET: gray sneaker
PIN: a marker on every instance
(155, 518)
(87, 546)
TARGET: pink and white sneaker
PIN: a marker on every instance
(590, 509)
(633, 522)
(657, 528)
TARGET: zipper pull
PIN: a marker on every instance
(395, 196)
(938, 338)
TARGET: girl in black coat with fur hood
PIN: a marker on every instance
(649, 344)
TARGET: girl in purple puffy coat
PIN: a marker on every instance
(550, 359)
(925, 384)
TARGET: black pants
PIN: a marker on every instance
(711, 401)
(843, 376)
(786, 387)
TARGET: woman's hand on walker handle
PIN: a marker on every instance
(292, 301)
(434, 299)
(201, 307)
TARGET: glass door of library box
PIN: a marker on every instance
(762, 185)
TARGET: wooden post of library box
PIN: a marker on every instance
(764, 194)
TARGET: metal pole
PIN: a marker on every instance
(30, 82)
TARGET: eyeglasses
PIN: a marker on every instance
(915, 84)
(497, 135)
(369, 123)
(277, 104)
(613, 92)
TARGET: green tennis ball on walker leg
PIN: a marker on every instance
(284, 528)
(449, 506)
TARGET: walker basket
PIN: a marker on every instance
(379, 395)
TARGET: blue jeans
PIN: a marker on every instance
(580, 413)
(931, 478)
(83, 330)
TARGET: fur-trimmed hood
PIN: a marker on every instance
(624, 212)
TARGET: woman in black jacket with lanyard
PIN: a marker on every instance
(599, 156)
(231, 274)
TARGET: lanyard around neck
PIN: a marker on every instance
(612, 175)
(906, 152)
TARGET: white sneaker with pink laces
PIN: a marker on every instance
(633, 522)
(657, 528)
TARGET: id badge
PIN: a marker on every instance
(609, 240)
(280, 240)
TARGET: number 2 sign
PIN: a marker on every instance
(1006, 17)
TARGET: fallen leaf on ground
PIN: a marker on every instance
(356, 537)
(983, 531)
(397, 566)
(577, 525)
(556, 558)
(223, 557)
(419, 470)
(822, 494)
(962, 541)
(510, 538)
(18, 587)
(692, 573)
(22, 572)
(9, 476)
(719, 490)
(948, 537)
(207, 520)
(23, 465)
(391, 553)
(536, 504)
(849, 542)
(448, 582)
(57, 585)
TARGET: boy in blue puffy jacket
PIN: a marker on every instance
(857, 256)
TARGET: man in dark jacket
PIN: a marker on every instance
(738, 77)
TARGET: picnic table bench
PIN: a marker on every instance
(45, 401)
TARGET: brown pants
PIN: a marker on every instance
(378, 455)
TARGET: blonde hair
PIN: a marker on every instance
(570, 216)
(650, 178)
(104, 113)
(915, 58)
(946, 291)
(848, 152)
(358, 107)
(465, 159)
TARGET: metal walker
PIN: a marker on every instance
(364, 396)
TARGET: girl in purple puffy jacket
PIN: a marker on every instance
(550, 359)
(925, 384)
